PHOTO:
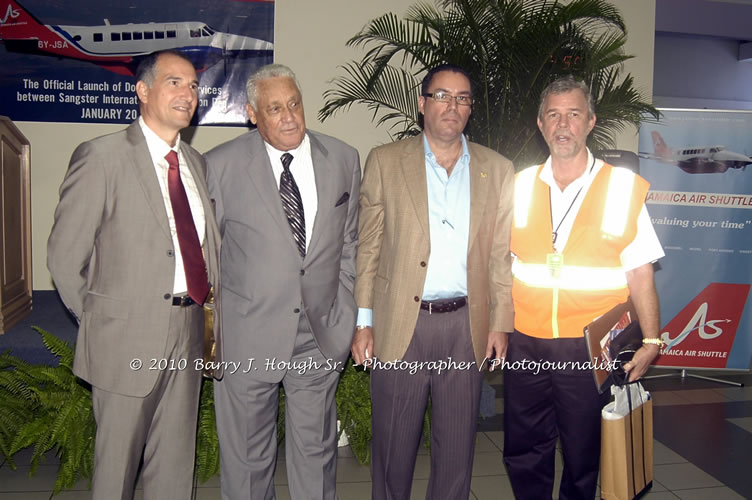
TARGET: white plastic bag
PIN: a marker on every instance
(619, 407)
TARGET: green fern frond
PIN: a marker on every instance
(58, 347)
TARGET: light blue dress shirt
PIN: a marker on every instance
(449, 225)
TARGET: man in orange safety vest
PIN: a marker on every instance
(582, 242)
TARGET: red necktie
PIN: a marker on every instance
(190, 247)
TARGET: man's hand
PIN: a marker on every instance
(497, 343)
(641, 361)
(362, 345)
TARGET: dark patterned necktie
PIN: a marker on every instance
(292, 203)
(190, 246)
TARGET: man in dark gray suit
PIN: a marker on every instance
(287, 206)
(132, 252)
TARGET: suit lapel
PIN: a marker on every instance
(322, 170)
(479, 180)
(143, 166)
(414, 171)
(262, 178)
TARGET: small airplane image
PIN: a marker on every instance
(697, 159)
(118, 47)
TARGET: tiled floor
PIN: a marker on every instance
(703, 450)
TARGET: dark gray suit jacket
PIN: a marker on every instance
(112, 259)
(264, 279)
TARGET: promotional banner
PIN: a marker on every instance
(700, 202)
(74, 60)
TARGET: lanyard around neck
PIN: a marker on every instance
(555, 232)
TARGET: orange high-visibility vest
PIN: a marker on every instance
(552, 301)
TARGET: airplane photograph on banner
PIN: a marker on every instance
(700, 204)
(119, 47)
(696, 159)
(74, 60)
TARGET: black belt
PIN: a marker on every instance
(183, 301)
(443, 305)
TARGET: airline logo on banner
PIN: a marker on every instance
(702, 334)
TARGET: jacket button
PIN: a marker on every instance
(422, 263)
(302, 272)
(296, 310)
(416, 298)
(167, 296)
(170, 253)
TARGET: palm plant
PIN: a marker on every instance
(512, 49)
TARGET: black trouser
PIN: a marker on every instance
(543, 402)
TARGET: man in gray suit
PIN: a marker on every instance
(287, 206)
(132, 252)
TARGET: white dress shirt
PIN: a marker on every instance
(158, 149)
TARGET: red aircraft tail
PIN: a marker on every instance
(16, 23)
(659, 145)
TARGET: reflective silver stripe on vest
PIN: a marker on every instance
(523, 194)
(571, 277)
(618, 197)
(620, 187)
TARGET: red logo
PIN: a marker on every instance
(702, 334)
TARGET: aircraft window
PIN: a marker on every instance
(195, 33)
(115, 37)
(126, 36)
(209, 29)
(77, 38)
(714, 150)
(98, 37)
(148, 35)
(171, 33)
(206, 31)
(159, 35)
(137, 35)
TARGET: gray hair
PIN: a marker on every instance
(563, 85)
(264, 73)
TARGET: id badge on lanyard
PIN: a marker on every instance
(555, 261)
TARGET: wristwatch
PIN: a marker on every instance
(653, 341)
(361, 327)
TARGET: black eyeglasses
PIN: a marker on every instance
(446, 98)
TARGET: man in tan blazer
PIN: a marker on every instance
(126, 255)
(433, 288)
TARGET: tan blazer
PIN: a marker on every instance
(112, 259)
(395, 245)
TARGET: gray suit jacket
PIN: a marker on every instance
(112, 259)
(264, 279)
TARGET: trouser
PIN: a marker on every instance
(247, 427)
(541, 405)
(399, 400)
(161, 426)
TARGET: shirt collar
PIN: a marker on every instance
(464, 158)
(593, 166)
(303, 148)
(157, 147)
